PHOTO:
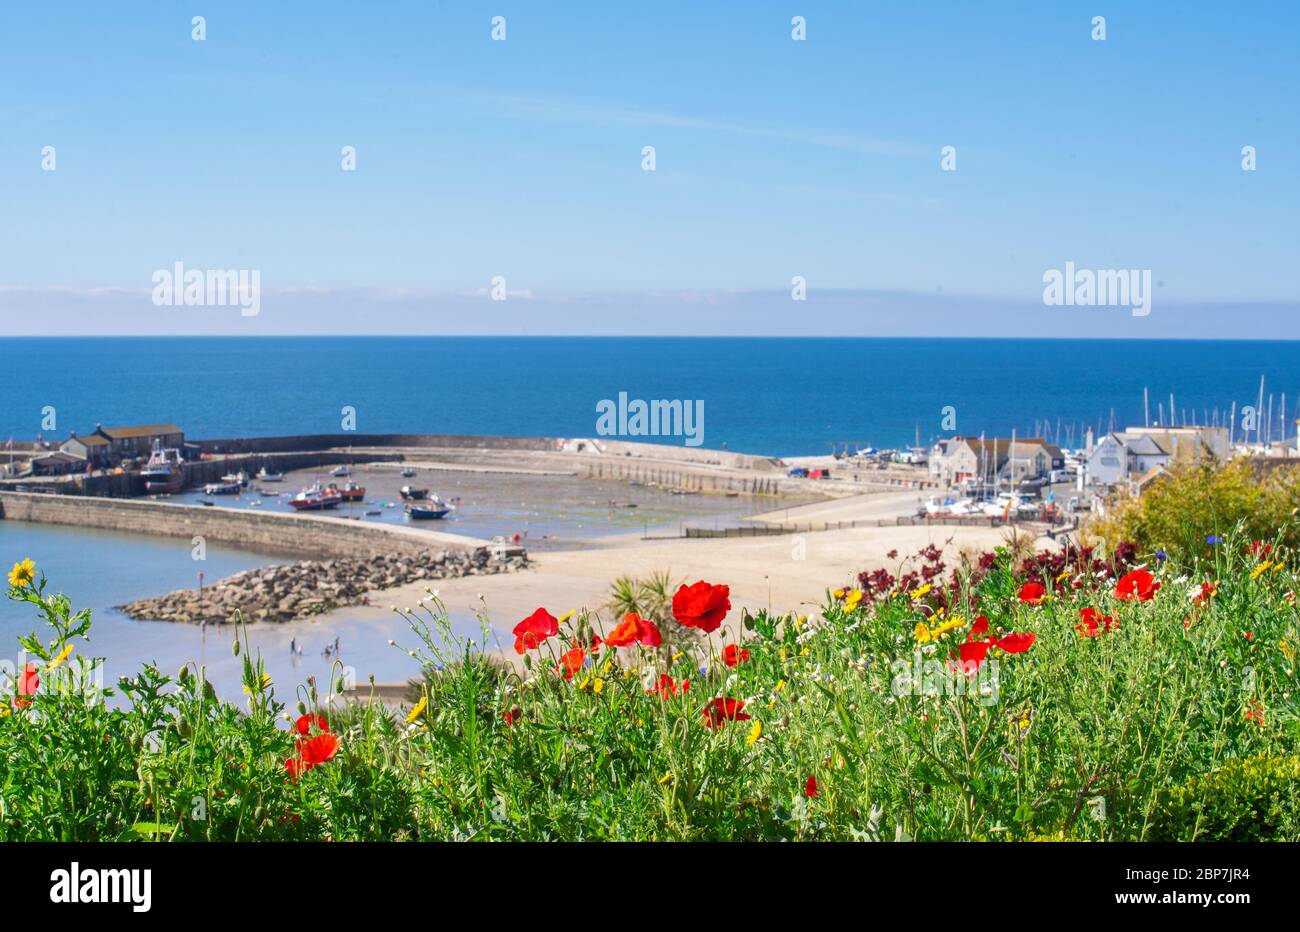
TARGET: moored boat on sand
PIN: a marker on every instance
(315, 499)
(426, 512)
(351, 492)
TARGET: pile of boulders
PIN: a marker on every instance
(300, 590)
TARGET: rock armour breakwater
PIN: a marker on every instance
(301, 590)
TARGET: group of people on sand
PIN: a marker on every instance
(331, 650)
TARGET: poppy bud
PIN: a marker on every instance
(234, 648)
(209, 691)
(747, 619)
(302, 708)
(184, 675)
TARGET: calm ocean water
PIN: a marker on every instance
(770, 396)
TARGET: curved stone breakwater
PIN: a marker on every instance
(300, 590)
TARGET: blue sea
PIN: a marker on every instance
(773, 396)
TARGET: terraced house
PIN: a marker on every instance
(108, 446)
(1136, 453)
(955, 460)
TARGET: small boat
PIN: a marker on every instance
(222, 488)
(408, 472)
(411, 494)
(237, 478)
(315, 499)
(266, 475)
(164, 471)
(340, 472)
(351, 492)
(373, 513)
(426, 512)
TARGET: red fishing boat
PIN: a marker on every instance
(351, 492)
(316, 499)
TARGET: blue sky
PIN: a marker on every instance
(775, 158)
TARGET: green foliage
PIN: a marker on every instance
(1249, 799)
(1178, 512)
(1181, 721)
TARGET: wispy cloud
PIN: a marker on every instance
(538, 108)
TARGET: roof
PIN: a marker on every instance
(1146, 445)
(58, 457)
(88, 440)
(1001, 446)
(144, 430)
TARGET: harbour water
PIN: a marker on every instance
(545, 511)
(100, 570)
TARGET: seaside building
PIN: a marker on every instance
(108, 446)
(1124, 456)
(955, 460)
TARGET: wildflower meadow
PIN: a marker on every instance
(1061, 695)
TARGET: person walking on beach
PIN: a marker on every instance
(336, 646)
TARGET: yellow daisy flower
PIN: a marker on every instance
(418, 710)
(22, 574)
(63, 655)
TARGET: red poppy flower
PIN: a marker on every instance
(1260, 549)
(810, 788)
(733, 655)
(571, 663)
(28, 683)
(971, 655)
(1091, 622)
(593, 645)
(1255, 713)
(702, 606)
(666, 688)
(1031, 593)
(312, 751)
(723, 709)
(319, 749)
(1207, 592)
(1139, 585)
(981, 626)
(634, 629)
(1017, 642)
(304, 723)
(534, 629)
(511, 715)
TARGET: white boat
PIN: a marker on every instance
(265, 475)
(164, 472)
(341, 471)
(408, 472)
(237, 478)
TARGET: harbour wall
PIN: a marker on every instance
(335, 442)
(297, 535)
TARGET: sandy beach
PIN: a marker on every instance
(786, 572)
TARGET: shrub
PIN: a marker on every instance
(1197, 501)
(1248, 799)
